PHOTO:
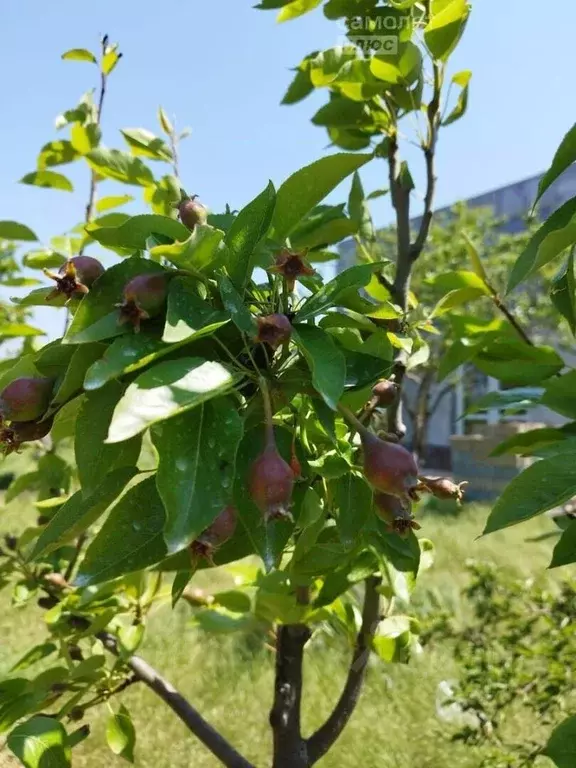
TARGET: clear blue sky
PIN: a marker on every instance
(222, 67)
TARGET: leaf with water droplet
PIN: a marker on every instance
(125, 355)
(166, 390)
(189, 317)
(191, 472)
(120, 548)
(95, 458)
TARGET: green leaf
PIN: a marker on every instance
(81, 511)
(85, 137)
(198, 251)
(308, 187)
(563, 292)
(40, 742)
(301, 85)
(113, 164)
(518, 364)
(24, 366)
(234, 600)
(145, 143)
(126, 354)
(462, 79)
(134, 233)
(81, 360)
(456, 298)
(13, 330)
(197, 455)
(45, 259)
(166, 390)
(94, 457)
(560, 394)
(477, 266)
(34, 655)
(130, 638)
(57, 152)
(561, 746)
(506, 399)
(359, 210)
(189, 317)
(352, 498)
(393, 639)
(19, 282)
(130, 539)
(297, 8)
(79, 54)
(326, 362)
(544, 485)
(39, 298)
(165, 123)
(110, 59)
(563, 159)
(113, 201)
(99, 304)
(121, 734)
(48, 179)
(248, 229)
(444, 30)
(565, 549)
(12, 230)
(402, 68)
(528, 443)
(556, 234)
(233, 304)
(327, 296)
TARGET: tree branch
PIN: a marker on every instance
(93, 175)
(511, 319)
(439, 397)
(430, 158)
(321, 741)
(409, 252)
(210, 737)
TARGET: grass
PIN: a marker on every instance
(395, 724)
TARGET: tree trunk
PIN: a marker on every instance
(290, 749)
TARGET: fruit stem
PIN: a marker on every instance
(353, 421)
(267, 411)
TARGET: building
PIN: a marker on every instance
(462, 443)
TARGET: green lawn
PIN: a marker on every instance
(395, 725)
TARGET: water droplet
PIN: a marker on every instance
(181, 465)
(127, 353)
(211, 443)
(225, 482)
(136, 526)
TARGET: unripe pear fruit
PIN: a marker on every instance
(389, 467)
(12, 437)
(192, 212)
(394, 513)
(76, 276)
(443, 488)
(88, 269)
(144, 297)
(274, 330)
(271, 482)
(385, 393)
(26, 399)
(216, 534)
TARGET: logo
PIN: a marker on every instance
(385, 45)
(377, 34)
